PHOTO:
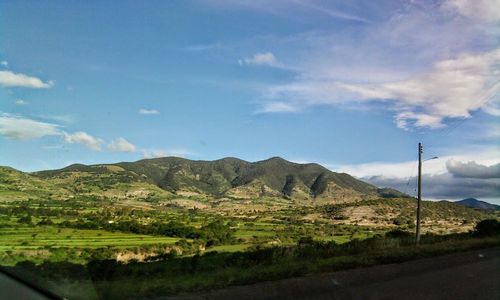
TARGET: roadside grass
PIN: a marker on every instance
(216, 271)
(112, 280)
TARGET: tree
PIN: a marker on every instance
(487, 227)
(25, 219)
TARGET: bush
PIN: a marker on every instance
(25, 219)
(399, 221)
(399, 234)
(305, 240)
(487, 227)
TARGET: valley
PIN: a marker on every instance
(162, 226)
(173, 206)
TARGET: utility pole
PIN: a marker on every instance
(419, 193)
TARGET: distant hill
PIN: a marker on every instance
(227, 177)
(230, 186)
(15, 185)
(478, 204)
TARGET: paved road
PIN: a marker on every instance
(469, 275)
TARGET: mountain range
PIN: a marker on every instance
(170, 176)
(477, 204)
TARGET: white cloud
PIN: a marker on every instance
(453, 88)
(11, 79)
(85, 139)
(426, 62)
(473, 174)
(4, 63)
(472, 169)
(443, 187)
(260, 59)
(21, 128)
(58, 118)
(144, 111)
(484, 10)
(121, 145)
(156, 153)
(486, 157)
(273, 107)
(388, 169)
(21, 102)
(492, 107)
(16, 127)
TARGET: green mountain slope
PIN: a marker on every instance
(478, 204)
(16, 185)
(228, 177)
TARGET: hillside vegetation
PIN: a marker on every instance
(160, 226)
(174, 206)
(228, 177)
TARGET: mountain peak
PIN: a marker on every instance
(233, 177)
(478, 204)
(275, 159)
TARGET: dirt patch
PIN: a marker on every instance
(361, 215)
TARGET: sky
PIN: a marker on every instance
(352, 85)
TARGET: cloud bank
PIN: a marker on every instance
(21, 128)
(447, 178)
(11, 79)
(84, 139)
(156, 153)
(472, 169)
(121, 145)
(426, 63)
(442, 186)
(15, 127)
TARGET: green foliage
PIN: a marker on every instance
(213, 178)
(399, 234)
(487, 227)
(216, 233)
(400, 221)
(113, 280)
(26, 220)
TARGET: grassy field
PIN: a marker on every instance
(21, 238)
(109, 280)
(230, 248)
(48, 243)
(88, 247)
(87, 227)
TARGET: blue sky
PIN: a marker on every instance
(353, 85)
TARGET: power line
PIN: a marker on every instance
(409, 178)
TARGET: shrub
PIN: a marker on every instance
(401, 221)
(305, 240)
(487, 227)
(398, 234)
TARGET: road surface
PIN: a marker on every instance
(467, 275)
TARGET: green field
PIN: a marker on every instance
(230, 248)
(23, 238)
(60, 243)
(83, 228)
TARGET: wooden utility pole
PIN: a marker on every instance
(419, 193)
